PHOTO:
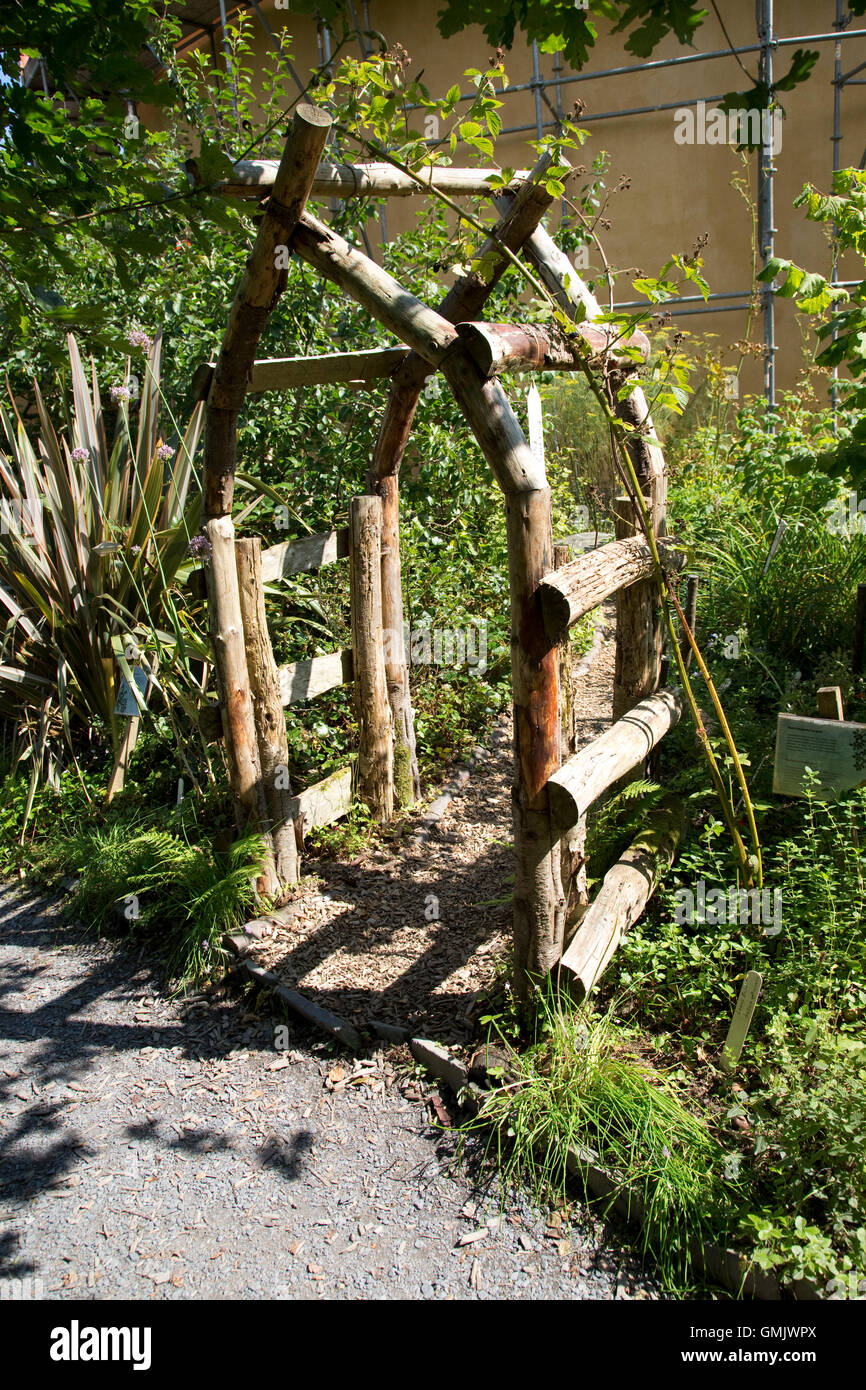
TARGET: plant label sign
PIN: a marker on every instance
(127, 706)
(749, 991)
(835, 752)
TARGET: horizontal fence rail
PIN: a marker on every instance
(569, 593)
(304, 680)
(619, 750)
(308, 553)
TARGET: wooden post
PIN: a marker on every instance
(539, 902)
(466, 298)
(253, 301)
(375, 748)
(830, 704)
(691, 613)
(270, 721)
(233, 684)
(638, 628)
(859, 631)
(573, 844)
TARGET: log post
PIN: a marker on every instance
(259, 288)
(270, 721)
(691, 613)
(638, 628)
(375, 748)
(233, 684)
(520, 216)
(539, 902)
(573, 843)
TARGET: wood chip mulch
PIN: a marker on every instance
(419, 934)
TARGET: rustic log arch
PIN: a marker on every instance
(545, 601)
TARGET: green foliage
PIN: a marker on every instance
(93, 537)
(189, 893)
(562, 25)
(580, 1096)
(798, 604)
(807, 1112)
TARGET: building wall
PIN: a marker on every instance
(677, 192)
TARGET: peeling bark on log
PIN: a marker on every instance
(375, 748)
(621, 748)
(233, 682)
(497, 348)
(270, 721)
(625, 892)
(582, 584)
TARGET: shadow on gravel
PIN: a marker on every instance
(40, 1144)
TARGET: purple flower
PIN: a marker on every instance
(139, 339)
(205, 945)
(164, 452)
(135, 550)
(201, 548)
(80, 455)
(120, 395)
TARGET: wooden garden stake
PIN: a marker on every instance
(748, 998)
(375, 748)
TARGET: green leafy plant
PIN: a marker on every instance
(580, 1096)
(93, 537)
(154, 879)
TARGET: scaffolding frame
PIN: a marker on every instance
(768, 41)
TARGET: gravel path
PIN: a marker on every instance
(157, 1148)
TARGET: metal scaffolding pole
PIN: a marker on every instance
(838, 81)
(766, 228)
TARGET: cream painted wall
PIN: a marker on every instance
(677, 192)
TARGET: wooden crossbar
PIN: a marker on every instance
(576, 588)
(303, 680)
(619, 750)
(308, 553)
(254, 179)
